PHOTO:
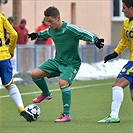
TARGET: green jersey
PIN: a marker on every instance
(66, 40)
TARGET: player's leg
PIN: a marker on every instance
(117, 99)
(16, 96)
(38, 78)
(66, 96)
(67, 76)
(131, 90)
(66, 99)
(44, 70)
(7, 81)
(123, 79)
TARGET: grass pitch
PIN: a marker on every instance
(91, 101)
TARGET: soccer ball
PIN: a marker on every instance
(34, 110)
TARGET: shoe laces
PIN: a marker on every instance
(40, 96)
(62, 115)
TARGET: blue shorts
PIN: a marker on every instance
(6, 72)
(127, 73)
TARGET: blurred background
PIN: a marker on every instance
(102, 17)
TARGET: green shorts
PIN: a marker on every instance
(55, 69)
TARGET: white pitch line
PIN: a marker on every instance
(72, 88)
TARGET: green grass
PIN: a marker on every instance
(90, 102)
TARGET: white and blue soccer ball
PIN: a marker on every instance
(34, 110)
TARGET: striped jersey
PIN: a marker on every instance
(66, 40)
(126, 38)
(4, 50)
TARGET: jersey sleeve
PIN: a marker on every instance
(12, 35)
(123, 42)
(82, 34)
(44, 34)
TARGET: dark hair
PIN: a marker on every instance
(52, 11)
(10, 19)
(128, 3)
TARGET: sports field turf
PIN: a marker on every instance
(90, 102)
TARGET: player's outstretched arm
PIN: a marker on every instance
(33, 36)
(110, 56)
(99, 43)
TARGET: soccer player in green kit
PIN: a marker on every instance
(67, 61)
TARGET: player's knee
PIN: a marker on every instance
(131, 97)
(115, 84)
(33, 75)
(38, 73)
(120, 85)
(131, 94)
(63, 83)
(8, 86)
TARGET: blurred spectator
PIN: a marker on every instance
(43, 26)
(22, 32)
(11, 20)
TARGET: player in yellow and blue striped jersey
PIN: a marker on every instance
(6, 70)
(125, 77)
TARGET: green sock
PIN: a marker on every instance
(41, 83)
(66, 98)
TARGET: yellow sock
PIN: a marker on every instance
(20, 109)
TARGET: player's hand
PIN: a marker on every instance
(32, 36)
(110, 56)
(99, 43)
